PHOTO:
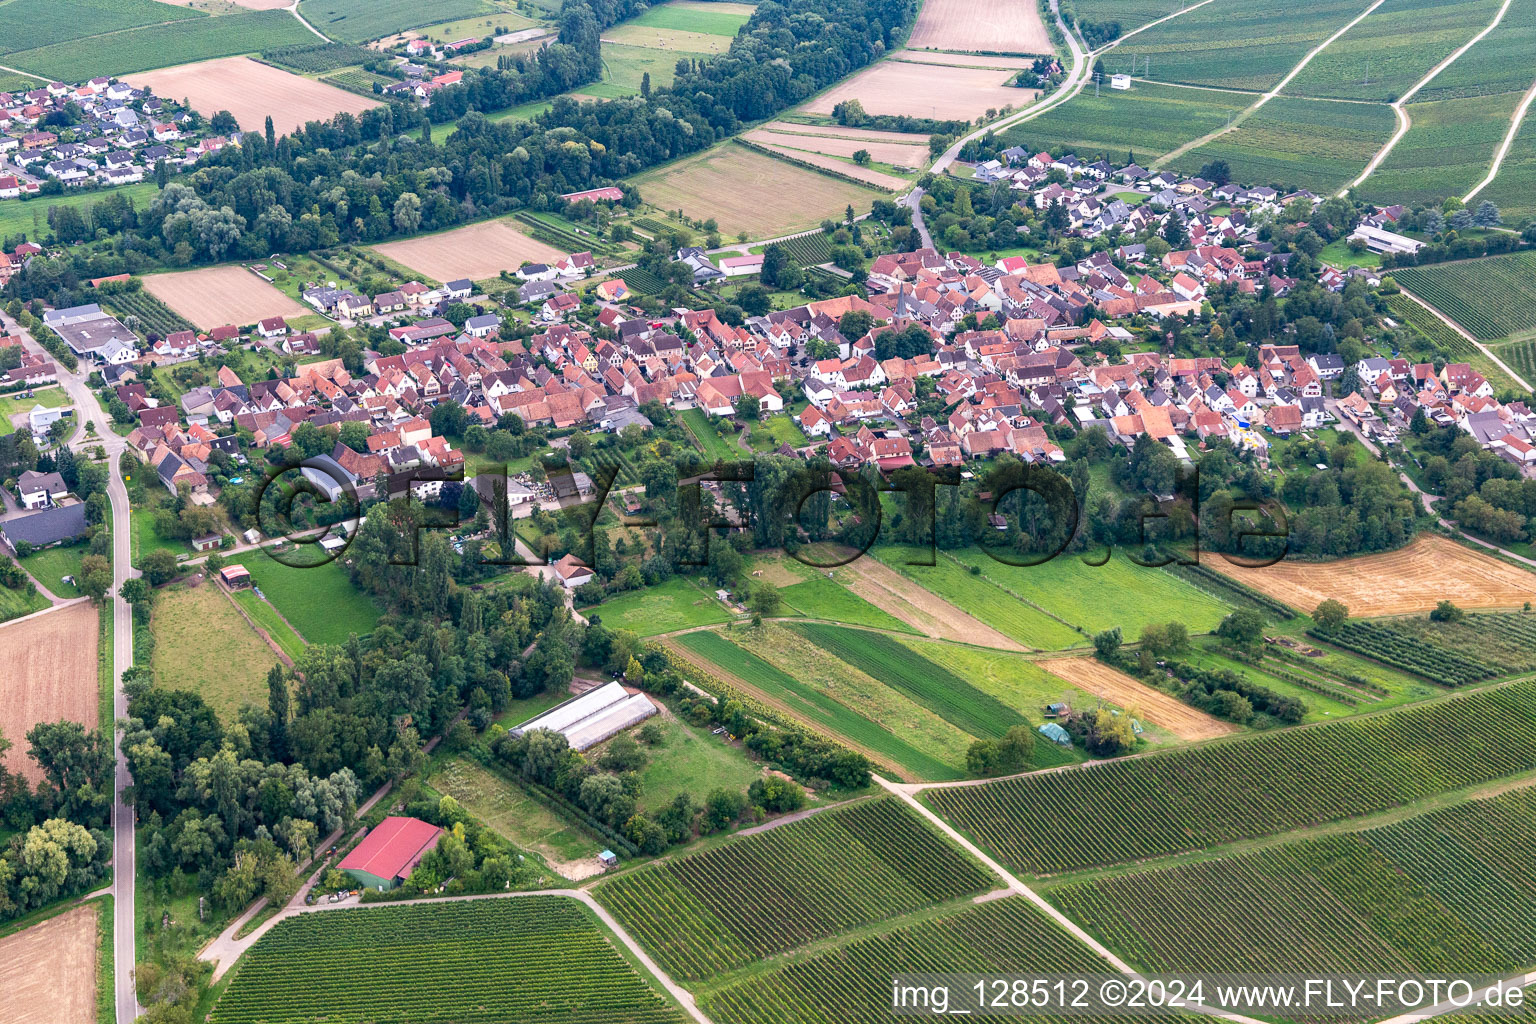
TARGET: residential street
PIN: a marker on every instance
(123, 923)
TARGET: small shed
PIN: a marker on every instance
(1056, 734)
(235, 577)
(608, 859)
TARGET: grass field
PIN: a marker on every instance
(16, 603)
(1248, 786)
(48, 398)
(320, 602)
(1148, 120)
(1490, 297)
(30, 216)
(1117, 593)
(883, 740)
(829, 873)
(266, 616)
(141, 523)
(540, 957)
(709, 18)
(1401, 40)
(713, 445)
(975, 595)
(1299, 143)
(357, 21)
(676, 604)
(1448, 149)
(1248, 47)
(747, 191)
(51, 565)
(1426, 892)
(156, 46)
(693, 761)
(203, 644)
(513, 814)
(821, 598)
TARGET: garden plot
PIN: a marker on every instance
(1156, 706)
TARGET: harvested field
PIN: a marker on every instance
(216, 296)
(251, 91)
(878, 179)
(837, 131)
(1412, 579)
(921, 609)
(1007, 26)
(962, 60)
(50, 676)
(253, 5)
(48, 971)
(911, 151)
(749, 191)
(924, 90)
(1152, 704)
(476, 252)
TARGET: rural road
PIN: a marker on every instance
(1404, 122)
(293, 9)
(123, 918)
(225, 954)
(1509, 140)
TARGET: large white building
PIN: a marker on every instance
(594, 716)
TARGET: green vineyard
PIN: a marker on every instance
(320, 57)
(357, 80)
(1491, 297)
(949, 696)
(1431, 328)
(153, 315)
(808, 250)
(852, 984)
(1448, 891)
(1248, 787)
(841, 869)
(539, 958)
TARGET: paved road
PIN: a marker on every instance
(224, 953)
(123, 935)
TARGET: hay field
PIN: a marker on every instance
(749, 191)
(50, 676)
(476, 251)
(216, 296)
(924, 90)
(204, 644)
(1411, 579)
(1151, 704)
(673, 40)
(48, 971)
(251, 91)
(1006, 26)
(885, 147)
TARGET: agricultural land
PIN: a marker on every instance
(221, 295)
(51, 677)
(48, 971)
(252, 91)
(203, 643)
(475, 253)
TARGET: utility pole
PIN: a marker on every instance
(1095, 85)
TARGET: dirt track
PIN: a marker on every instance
(1152, 704)
(50, 675)
(48, 971)
(887, 589)
(1411, 579)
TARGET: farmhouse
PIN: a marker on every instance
(387, 855)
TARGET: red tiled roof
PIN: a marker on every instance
(389, 849)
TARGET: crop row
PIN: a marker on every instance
(1247, 787)
(1430, 327)
(141, 49)
(153, 314)
(1491, 297)
(30, 23)
(357, 80)
(1401, 649)
(840, 869)
(946, 694)
(1227, 589)
(531, 959)
(808, 250)
(320, 57)
(852, 984)
(1441, 892)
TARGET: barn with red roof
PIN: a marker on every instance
(387, 855)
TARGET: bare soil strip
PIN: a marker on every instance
(1152, 704)
(48, 971)
(887, 589)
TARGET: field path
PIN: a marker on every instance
(1509, 139)
(224, 952)
(28, 74)
(293, 9)
(905, 793)
(1404, 122)
(1453, 325)
(1266, 97)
